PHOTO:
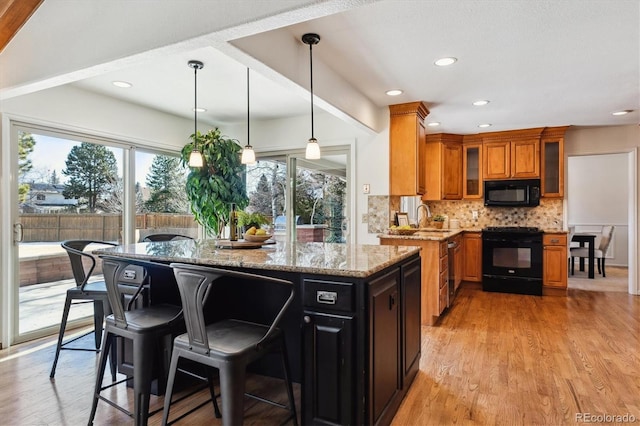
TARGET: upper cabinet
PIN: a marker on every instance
(407, 149)
(443, 167)
(512, 155)
(552, 151)
(472, 167)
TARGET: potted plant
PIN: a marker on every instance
(247, 219)
(438, 221)
(212, 189)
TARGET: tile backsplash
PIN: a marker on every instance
(547, 216)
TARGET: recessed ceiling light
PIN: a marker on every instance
(123, 84)
(484, 125)
(443, 62)
(481, 102)
(433, 123)
(626, 111)
(198, 109)
(394, 92)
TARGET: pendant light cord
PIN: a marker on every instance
(195, 106)
(311, 84)
(248, 121)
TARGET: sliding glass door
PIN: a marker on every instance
(68, 188)
(307, 200)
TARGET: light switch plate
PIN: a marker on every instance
(366, 188)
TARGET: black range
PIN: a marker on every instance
(512, 259)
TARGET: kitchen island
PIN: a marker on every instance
(353, 331)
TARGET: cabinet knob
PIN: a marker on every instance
(307, 319)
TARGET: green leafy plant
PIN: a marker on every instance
(212, 189)
(438, 218)
(247, 220)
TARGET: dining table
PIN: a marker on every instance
(590, 240)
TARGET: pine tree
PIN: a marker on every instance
(26, 144)
(166, 181)
(92, 173)
(260, 200)
(54, 179)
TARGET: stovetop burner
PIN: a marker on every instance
(516, 229)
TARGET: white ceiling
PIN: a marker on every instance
(539, 63)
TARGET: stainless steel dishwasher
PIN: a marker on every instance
(451, 247)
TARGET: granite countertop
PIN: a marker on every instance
(349, 260)
(426, 235)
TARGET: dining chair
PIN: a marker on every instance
(228, 344)
(600, 252)
(83, 264)
(150, 328)
(572, 231)
(165, 237)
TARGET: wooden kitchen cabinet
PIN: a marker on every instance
(434, 275)
(512, 155)
(552, 152)
(472, 256)
(407, 149)
(472, 184)
(443, 167)
(554, 260)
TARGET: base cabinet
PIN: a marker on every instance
(384, 347)
(329, 370)
(361, 345)
(554, 261)
(472, 257)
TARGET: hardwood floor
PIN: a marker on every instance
(494, 358)
(519, 360)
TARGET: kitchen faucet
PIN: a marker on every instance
(418, 214)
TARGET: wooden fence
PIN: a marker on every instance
(104, 227)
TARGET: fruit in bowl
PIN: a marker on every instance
(256, 235)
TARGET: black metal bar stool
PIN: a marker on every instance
(150, 328)
(84, 292)
(227, 344)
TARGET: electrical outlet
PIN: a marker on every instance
(474, 214)
(366, 188)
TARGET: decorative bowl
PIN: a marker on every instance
(256, 238)
(396, 231)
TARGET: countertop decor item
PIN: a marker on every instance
(256, 238)
(438, 221)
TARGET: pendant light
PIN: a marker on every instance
(195, 158)
(313, 149)
(248, 155)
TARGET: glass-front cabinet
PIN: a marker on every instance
(472, 167)
(552, 150)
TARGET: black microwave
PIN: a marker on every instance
(512, 193)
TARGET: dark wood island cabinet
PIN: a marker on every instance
(353, 332)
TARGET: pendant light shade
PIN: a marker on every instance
(313, 149)
(248, 154)
(195, 158)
